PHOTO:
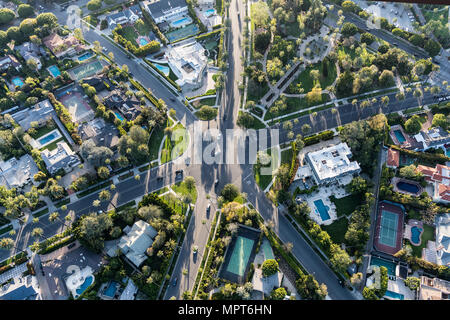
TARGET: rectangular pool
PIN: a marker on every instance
(54, 71)
(240, 255)
(390, 266)
(322, 209)
(85, 56)
(17, 82)
(267, 249)
(399, 135)
(119, 116)
(394, 295)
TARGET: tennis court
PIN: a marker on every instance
(388, 232)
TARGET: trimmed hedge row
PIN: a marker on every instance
(429, 157)
(315, 138)
(148, 95)
(151, 47)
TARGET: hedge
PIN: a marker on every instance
(429, 157)
(147, 94)
(58, 244)
(151, 47)
(207, 35)
(209, 92)
(315, 138)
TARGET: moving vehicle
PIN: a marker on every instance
(174, 282)
(208, 208)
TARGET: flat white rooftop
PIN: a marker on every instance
(332, 162)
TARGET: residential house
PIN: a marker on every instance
(100, 132)
(332, 164)
(393, 159)
(165, 10)
(25, 288)
(433, 138)
(129, 15)
(135, 242)
(60, 158)
(129, 293)
(31, 51)
(40, 113)
(434, 289)
(440, 178)
(17, 173)
(443, 240)
(128, 106)
(9, 61)
(63, 46)
(188, 61)
(100, 82)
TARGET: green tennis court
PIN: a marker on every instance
(388, 228)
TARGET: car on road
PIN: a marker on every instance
(172, 99)
(187, 161)
(195, 250)
(159, 178)
(174, 282)
(179, 174)
(100, 211)
(208, 208)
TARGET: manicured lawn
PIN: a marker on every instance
(52, 146)
(130, 34)
(207, 102)
(42, 130)
(256, 123)
(428, 234)
(337, 230)
(143, 30)
(264, 180)
(181, 143)
(295, 104)
(182, 190)
(286, 156)
(155, 140)
(346, 205)
(307, 81)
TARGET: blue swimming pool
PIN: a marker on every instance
(408, 187)
(111, 289)
(85, 56)
(48, 138)
(399, 135)
(87, 282)
(447, 152)
(143, 41)
(415, 234)
(119, 116)
(180, 22)
(17, 82)
(209, 12)
(240, 255)
(54, 71)
(163, 69)
(390, 266)
(323, 209)
(394, 295)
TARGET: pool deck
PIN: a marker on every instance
(400, 212)
(409, 141)
(408, 233)
(246, 232)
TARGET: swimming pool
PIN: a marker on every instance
(87, 282)
(143, 41)
(48, 138)
(209, 13)
(408, 187)
(415, 234)
(240, 255)
(163, 69)
(322, 209)
(447, 152)
(54, 71)
(17, 82)
(399, 135)
(390, 266)
(110, 291)
(119, 116)
(394, 295)
(181, 22)
(85, 56)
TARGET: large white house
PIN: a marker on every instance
(15, 173)
(332, 164)
(188, 62)
(60, 158)
(164, 10)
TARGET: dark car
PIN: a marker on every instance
(208, 208)
(174, 282)
(159, 178)
(172, 99)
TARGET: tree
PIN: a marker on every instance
(47, 20)
(260, 13)
(367, 38)
(40, 176)
(358, 185)
(413, 124)
(150, 212)
(25, 10)
(207, 113)
(269, 267)
(91, 229)
(230, 192)
(386, 78)
(410, 172)
(356, 279)
(340, 258)
(439, 120)
(103, 172)
(6, 243)
(189, 182)
(309, 288)
(349, 29)
(278, 294)
(6, 15)
(413, 283)
(306, 128)
(94, 5)
(95, 155)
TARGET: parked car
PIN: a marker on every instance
(174, 282)
(208, 208)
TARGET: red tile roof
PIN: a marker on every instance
(393, 158)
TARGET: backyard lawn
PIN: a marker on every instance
(346, 205)
(337, 230)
